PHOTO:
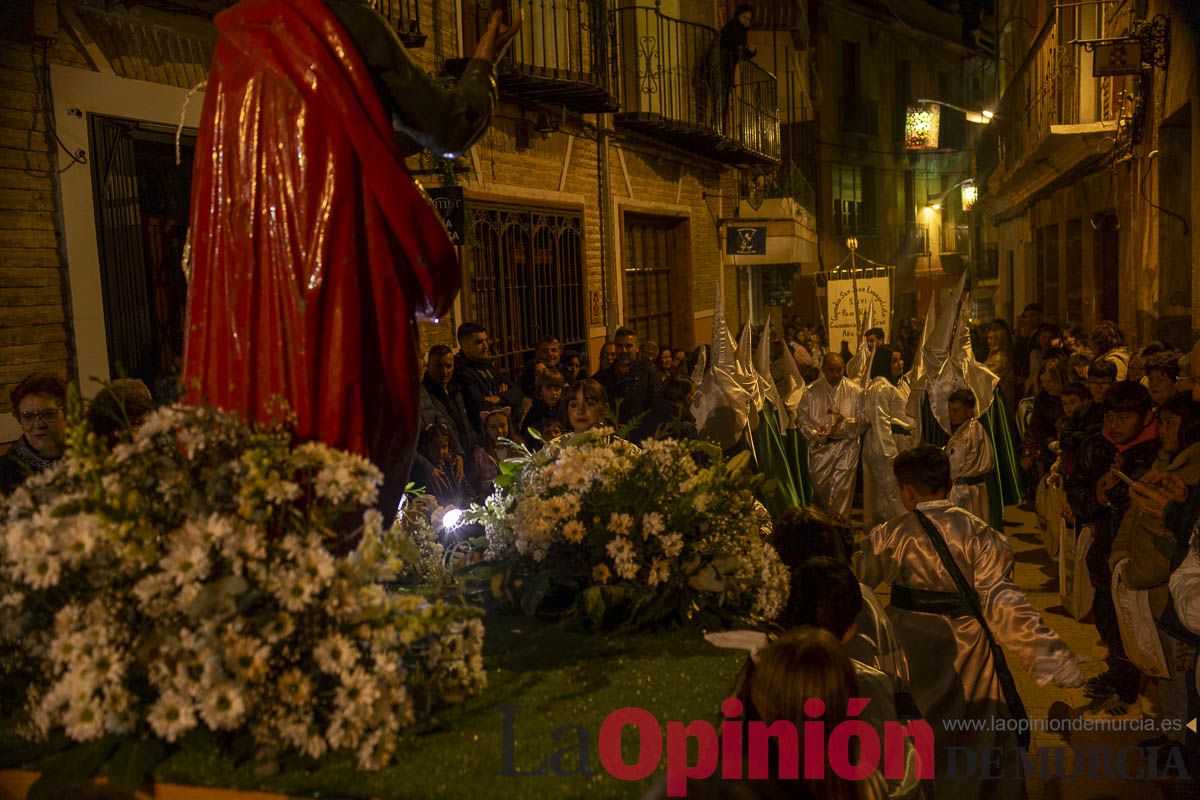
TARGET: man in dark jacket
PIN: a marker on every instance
(474, 373)
(1128, 443)
(631, 383)
(442, 401)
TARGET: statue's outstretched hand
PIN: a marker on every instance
(495, 39)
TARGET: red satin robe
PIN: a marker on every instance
(312, 249)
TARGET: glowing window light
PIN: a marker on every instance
(970, 194)
(921, 125)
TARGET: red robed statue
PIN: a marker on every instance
(312, 249)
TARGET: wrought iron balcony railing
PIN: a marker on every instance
(405, 18)
(753, 121)
(560, 55)
(786, 181)
(677, 84)
(955, 238)
(914, 239)
(1051, 87)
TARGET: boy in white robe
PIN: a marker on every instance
(952, 669)
(971, 455)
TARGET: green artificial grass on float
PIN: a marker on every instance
(557, 677)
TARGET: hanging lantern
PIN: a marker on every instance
(921, 126)
(970, 193)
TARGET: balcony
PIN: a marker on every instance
(785, 182)
(1055, 121)
(405, 19)
(860, 116)
(560, 55)
(914, 239)
(955, 239)
(672, 88)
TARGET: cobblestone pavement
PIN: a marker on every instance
(1037, 573)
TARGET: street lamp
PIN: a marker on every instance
(978, 117)
(923, 121)
(970, 194)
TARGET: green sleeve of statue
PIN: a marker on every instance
(442, 119)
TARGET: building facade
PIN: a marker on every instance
(874, 61)
(599, 196)
(1091, 176)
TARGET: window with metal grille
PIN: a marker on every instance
(526, 278)
(649, 256)
(141, 204)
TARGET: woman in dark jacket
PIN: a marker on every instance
(734, 41)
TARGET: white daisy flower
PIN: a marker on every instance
(652, 524)
(172, 715)
(84, 720)
(574, 531)
(671, 544)
(185, 563)
(660, 572)
(620, 524)
(223, 707)
(336, 655)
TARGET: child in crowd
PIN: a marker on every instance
(437, 471)
(1162, 371)
(1101, 375)
(1129, 443)
(549, 428)
(587, 405)
(1082, 418)
(1146, 550)
(571, 367)
(970, 453)
(485, 460)
(547, 404)
(1140, 360)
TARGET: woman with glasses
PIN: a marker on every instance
(38, 403)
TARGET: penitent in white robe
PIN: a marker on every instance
(832, 448)
(884, 411)
(950, 663)
(971, 459)
(1185, 591)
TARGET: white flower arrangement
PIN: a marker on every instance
(629, 536)
(209, 574)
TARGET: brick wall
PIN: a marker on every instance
(33, 331)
